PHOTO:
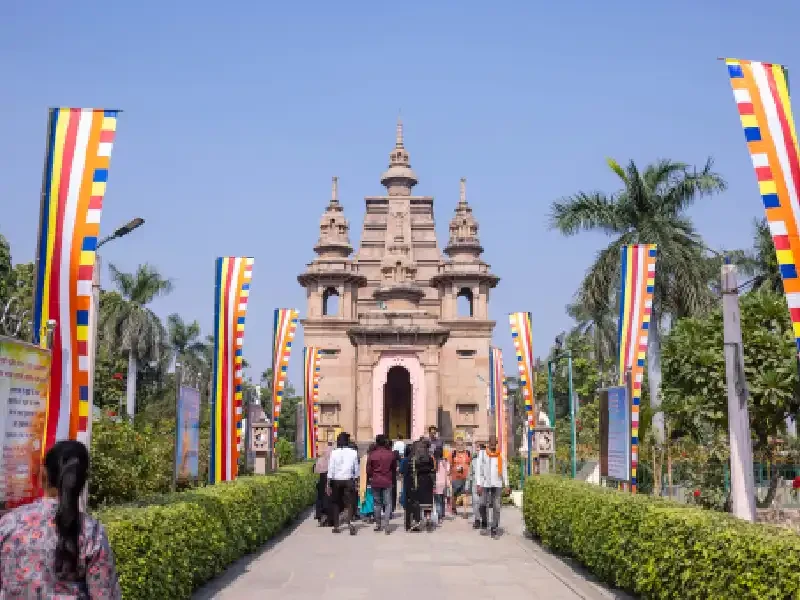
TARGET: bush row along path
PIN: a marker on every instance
(455, 561)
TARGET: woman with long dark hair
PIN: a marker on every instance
(50, 548)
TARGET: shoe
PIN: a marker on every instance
(476, 525)
(352, 529)
(484, 531)
(335, 530)
(493, 532)
(386, 531)
(377, 528)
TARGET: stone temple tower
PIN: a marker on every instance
(398, 354)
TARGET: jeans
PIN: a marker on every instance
(321, 506)
(383, 505)
(438, 503)
(478, 512)
(492, 497)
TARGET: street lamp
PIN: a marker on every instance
(559, 355)
(118, 233)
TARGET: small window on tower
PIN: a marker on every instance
(465, 353)
(464, 302)
(330, 302)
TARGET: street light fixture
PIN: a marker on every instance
(122, 231)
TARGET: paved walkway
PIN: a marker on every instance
(454, 561)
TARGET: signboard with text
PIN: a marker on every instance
(188, 426)
(24, 378)
(615, 431)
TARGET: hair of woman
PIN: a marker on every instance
(67, 465)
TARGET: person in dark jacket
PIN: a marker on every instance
(423, 473)
(381, 470)
(397, 459)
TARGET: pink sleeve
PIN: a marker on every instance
(101, 572)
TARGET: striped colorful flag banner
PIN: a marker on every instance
(761, 91)
(311, 358)
(77, 158)
(522, 335)
(635, 307)
(498, 397)
(232, 290)
(283, 335)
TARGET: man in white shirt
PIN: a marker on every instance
(342, 475)
(492, 480)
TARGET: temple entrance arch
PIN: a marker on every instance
(397, 404)
(409, 364)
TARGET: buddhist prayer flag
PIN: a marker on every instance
(635, 307)
(498, 395)
(283, 336)
(311, 357)
(77, 157)
(761, 92)
(232, 290)
(521, 334)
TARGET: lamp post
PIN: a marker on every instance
(560, 355)
(95, 311)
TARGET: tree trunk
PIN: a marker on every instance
(130, 400)
(773, 485)
(654, 377)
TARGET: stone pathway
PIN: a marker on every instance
(452, 562)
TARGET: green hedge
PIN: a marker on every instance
(170, 547)
(659, 549)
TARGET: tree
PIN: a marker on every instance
(763, 261)
(648, 209)
(20, 297)
(695, 393)
(598, 325)
(184, 338)
(5, 271)
(129, 325)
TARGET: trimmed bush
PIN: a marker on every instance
(659, 549)
(179, 541)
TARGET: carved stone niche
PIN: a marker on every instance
(466, 414)
(544, 441)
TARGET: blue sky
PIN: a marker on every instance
(238, 114)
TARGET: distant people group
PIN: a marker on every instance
(430, 479)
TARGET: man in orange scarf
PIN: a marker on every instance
(492, 480)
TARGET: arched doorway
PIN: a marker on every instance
(397, 403)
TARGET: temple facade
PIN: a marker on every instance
(404, 329)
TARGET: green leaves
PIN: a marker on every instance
(658, 549)
(169, 548)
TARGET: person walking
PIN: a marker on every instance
(366, 504)
(493, 480)
(478, 511)
(459, 472)
(342, 475)
(381, 470)
(50, 548)
(435, 440)
(322, 506)
(440, 485)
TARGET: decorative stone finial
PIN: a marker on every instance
(462, 196)
(399, 135)
(335, 190)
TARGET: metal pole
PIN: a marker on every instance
(742, 484)
(178, 381)
(572, 417)
(530, 448)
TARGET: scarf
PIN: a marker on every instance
(496, 454)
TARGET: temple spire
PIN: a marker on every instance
(399, 133)
(335, 190)
(462, 195)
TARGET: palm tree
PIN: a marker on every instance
(600, 326)
(129, 325)
(648, 209)
(763, 260)
(184, 338)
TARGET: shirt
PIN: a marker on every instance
(489, 475)
(28, 540)
(460, 469)
(343, 464)
(381, 466)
